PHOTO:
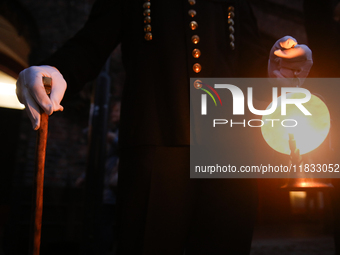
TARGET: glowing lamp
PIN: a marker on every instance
(296, 134)
(309, 131)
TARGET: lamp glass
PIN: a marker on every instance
(309, 132)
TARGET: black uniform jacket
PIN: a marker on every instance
(155, 104)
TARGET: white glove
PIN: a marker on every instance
(288, 59)
(31, 92)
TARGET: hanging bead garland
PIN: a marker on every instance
(147, 20)
(193, 25)
(231, 16)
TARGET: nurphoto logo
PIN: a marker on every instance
(239, 103)
(238, 99)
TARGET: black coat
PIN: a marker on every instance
(157, 198)
(155, 105)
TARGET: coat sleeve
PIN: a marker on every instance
(252, 53)
(81, 58)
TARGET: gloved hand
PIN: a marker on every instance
(31, 92)
(288, 59)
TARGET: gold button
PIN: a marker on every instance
(231, 22)
(192, 13)
(192, 2)
(197, 68)
(147, 12)
(232, 45)
(198, 84)
(193, 25)
(196, 53)
(231, 8)
(231, 29)
(147, 5)
(147, 28)
(147, 19)
(195, 39)
(148, 36)
(231, 15)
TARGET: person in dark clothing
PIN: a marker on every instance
(164, 44)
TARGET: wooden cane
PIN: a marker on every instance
(40, 154)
